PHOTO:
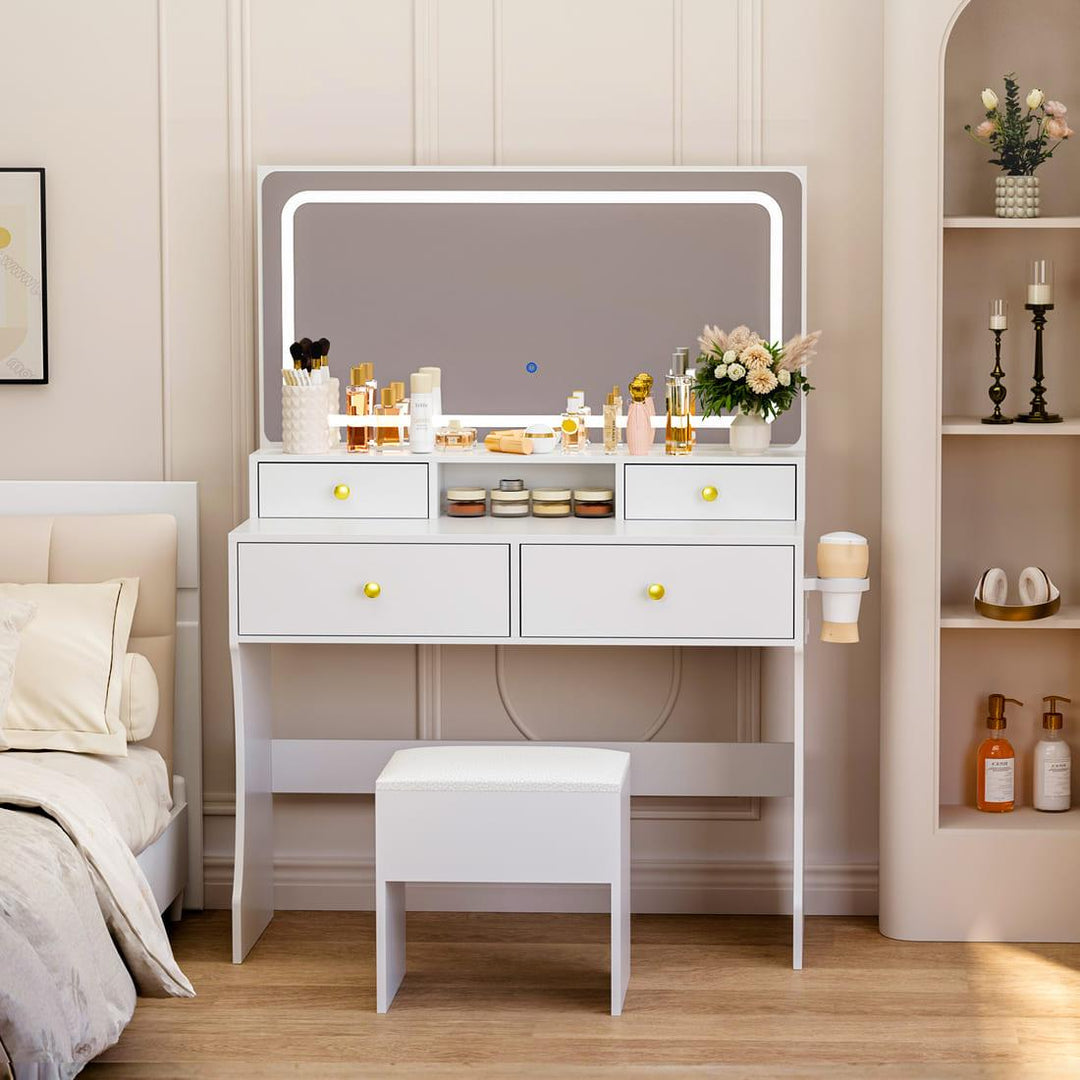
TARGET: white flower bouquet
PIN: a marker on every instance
(740, 371)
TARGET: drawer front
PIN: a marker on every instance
(709, 591)
(350, 489)
(686, 492)
(424, 590)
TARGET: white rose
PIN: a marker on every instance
(989, 99)
(1035, 98)
(735, 372)
(783, 377)
(720, 370)
(730, 356)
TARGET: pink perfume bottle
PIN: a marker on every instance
(639, 429)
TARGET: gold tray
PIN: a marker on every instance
(1018, 612)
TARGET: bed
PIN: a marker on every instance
(94, 849)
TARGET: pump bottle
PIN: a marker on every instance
(995, 784)
(1052, 788)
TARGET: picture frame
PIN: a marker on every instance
(24, 339)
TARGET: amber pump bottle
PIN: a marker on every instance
(995, 784)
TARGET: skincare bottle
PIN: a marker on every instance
(1053, 762)
(612, 416)
(436, 391)
(359, 401)
(678, 437)
(421, 405)
(995, 783)
(575, 433)
(639, 429)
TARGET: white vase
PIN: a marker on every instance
(1016, 196)
(750, 433)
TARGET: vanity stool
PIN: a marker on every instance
(557, 814)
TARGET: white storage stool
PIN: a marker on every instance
(500, 814)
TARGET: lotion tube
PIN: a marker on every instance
(421, 414)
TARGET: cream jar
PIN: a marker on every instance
(466, 502)
(551, 502)
(511, 503)
(594, 503)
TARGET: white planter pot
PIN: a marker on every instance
(1016, 196)
(750, 434)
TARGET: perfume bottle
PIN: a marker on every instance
(639, 429)
(612, 416)
(389, 405)
(455, 437)
(575, 432)
(402, 402)
(678, 434)
(360, 401)
(995, 784)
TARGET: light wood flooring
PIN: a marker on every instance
(526, 996)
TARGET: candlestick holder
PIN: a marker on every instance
(1038, 413)
(997, 391)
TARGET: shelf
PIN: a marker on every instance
(971, 425)
(963, 617)
(1022, 819)
(1011, 223)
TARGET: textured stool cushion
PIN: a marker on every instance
(505, 768)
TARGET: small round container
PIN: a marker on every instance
(594, 503)
(466, 502)
(511, 485)
(509, 503)
(551, 502)
(544, 438)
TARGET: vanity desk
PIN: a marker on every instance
(355, 549)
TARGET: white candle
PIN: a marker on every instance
(1040, 288)
(1040, 294)
(999, 315)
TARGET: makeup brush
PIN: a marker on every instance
(323, 348)
(306, 352)
(297, 354)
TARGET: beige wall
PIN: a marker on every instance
(151, 122)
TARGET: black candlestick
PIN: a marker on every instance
(1038, 413)
(997, 391)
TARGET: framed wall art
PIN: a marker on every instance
(24, 344)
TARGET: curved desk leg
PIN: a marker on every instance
(253, 874)
(798, 855)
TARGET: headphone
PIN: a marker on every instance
(1039, 596)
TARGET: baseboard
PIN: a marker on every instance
(346, 883)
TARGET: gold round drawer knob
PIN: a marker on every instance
(372, 590)
(656, 591)
(709, 494)
(342, 491)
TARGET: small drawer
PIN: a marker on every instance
(373, 590)
(711, 492)
(666, 591)
(350, 489)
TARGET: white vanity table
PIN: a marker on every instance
(705, 550)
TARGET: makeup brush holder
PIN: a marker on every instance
(305, 425)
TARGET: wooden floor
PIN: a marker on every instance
(527, 996)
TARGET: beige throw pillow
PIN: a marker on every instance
(70, 670)
(140, 697)
(14, 615)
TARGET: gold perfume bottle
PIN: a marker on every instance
(575, 431)
(612, 415)
(389, 405)
(455, 437)
(679, 392)
(360, 401)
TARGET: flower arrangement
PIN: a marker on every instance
(740, 371)
(1021, 139)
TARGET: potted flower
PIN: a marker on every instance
(1022, 137)
(740, 372)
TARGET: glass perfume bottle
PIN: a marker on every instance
(455, 437)
(612, 416)
(360, 401)
(403, 404)
(995, 785)
(678, 433)
(389, 405)
(575, 432)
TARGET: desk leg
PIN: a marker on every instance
(798, 806)
(253, 874)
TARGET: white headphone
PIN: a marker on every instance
(1035, 588)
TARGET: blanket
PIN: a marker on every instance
(68, 881)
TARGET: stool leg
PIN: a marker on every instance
(620, 910)
(389, 941)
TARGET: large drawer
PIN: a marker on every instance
(749, 492)
(422, 590)
(350, 489)
(710, 591)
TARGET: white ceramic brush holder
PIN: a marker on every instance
(305, 426)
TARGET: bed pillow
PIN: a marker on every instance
(69, 677)
(139, 697)
(14, 615)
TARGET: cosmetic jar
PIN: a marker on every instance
(466, 502)
(512, 503)
(551, 502)
(543, 437)
(511, 485)
(594, 503)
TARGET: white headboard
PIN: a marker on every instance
(180, 500)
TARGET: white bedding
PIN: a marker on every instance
(135, 789)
